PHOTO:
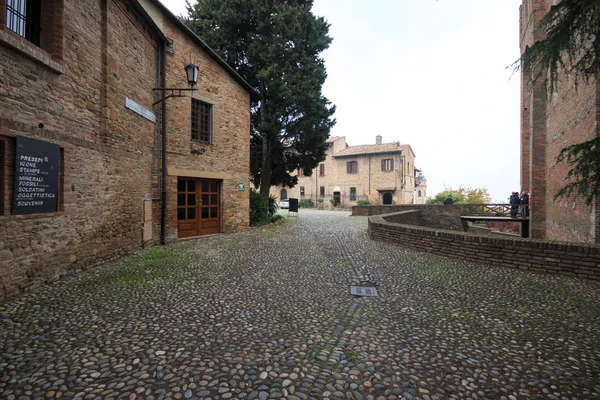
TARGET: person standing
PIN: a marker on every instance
(524, 204)
(514, 204)
(448, 201)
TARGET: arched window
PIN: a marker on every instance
(283, 195)
(419, 193)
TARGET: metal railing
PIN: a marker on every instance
(493, 210)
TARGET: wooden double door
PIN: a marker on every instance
(198, 207)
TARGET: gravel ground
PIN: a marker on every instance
(267, 314)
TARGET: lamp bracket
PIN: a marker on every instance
(174, 92)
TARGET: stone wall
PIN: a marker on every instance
(430, 215)
(570, 259)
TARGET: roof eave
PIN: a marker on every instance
(238, 78)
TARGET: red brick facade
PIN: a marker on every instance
(71, 90)
(550, 122)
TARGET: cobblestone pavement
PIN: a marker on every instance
(268, 314)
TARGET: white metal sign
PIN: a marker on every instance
(135, 107)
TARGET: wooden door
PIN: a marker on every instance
(198, 207)
(210, 209)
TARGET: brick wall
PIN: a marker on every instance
(549, 123)
(570, 259)
(228, 155)
(431, 215)
(78, 103)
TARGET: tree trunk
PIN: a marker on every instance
(265, 170)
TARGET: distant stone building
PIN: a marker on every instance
(89, 154)
(421, 189)
(382, 173)
(550, 123)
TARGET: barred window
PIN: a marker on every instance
(201, 121)
(322, 191)
(351, 167)
(301, 191)
(352, 194)
(387, 164)
(24, 17)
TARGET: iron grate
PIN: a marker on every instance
(363, 291)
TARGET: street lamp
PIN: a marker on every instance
(191, 73)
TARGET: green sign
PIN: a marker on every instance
(241, 187)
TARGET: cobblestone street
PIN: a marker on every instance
(268, 314)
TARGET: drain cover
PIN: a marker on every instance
(363, 291)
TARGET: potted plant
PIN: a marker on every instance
(320, 201)
(332, 201)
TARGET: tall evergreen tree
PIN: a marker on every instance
(571, 45)
(275, 45)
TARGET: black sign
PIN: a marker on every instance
(293, 205)
(36, 176)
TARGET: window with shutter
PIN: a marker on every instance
(351, 167)
(387, 164)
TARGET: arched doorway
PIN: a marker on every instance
(337, 196)
(283, 194)
(387, 198)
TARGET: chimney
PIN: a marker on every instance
(378, 139)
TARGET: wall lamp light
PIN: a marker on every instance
(191, 73)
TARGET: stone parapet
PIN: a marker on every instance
(562, 258)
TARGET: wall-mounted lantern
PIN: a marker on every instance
(191, 73)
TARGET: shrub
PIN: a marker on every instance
(305, 203)
(363, 203)
(276, 218)
(259, 209)
(465, 225)
(273, 207)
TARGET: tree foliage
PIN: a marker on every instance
(585, 171)
(275, 45)
(462, 196)
(570, 48)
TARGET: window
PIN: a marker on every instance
(24, 18)
(38, 21)
(301, 191)
(201, 121)
(321, 169)
(352, 194)
(322, 191)
(419, 193)
(351, 167)
(387, 164)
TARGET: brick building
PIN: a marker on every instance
(548, 124)
(382, 173)
(79, 127)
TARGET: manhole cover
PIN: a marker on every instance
(363, 291)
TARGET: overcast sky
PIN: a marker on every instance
(432, 74)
